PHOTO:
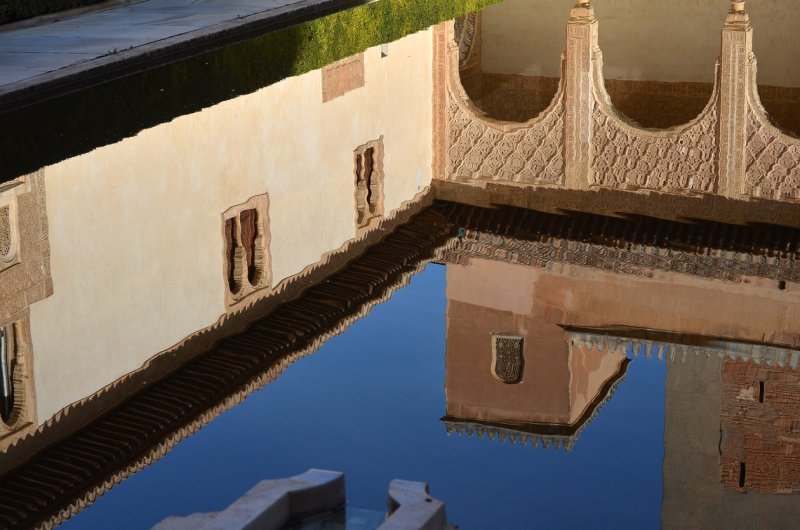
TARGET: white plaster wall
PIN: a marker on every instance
(135, 227)
(676, 40)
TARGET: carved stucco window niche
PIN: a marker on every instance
(247, 258)
(369, 175)
(16, 392)
(8, 231)
(508, 361)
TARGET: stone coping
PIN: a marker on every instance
(164, 50)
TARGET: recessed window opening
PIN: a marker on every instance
(246, 248)
(369, 183)
(7, 362)
(384, 50)
(742, 474)
(761, 391)
(782, 285)
(230, 253)
(248, 220)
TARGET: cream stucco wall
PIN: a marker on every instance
(136, 230)
(677, 40)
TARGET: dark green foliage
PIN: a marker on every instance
(75, 123)
(11, 10)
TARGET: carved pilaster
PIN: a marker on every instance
(440, 72)
(736, 64)
(581, 47)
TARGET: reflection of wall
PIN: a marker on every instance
(559, 379)
(607, 291)
(664, 41)
(694, 496)
(137, 246)
(761, 428)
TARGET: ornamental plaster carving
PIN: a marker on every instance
(772, 161)
(467, 33)
(507, 358)
(772, 156)
(486, 149)
(691, 353)
(627, 157)
(479, 150)
(637, 260)
(581, 141)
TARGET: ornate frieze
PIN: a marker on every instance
(676, 352)
(634, 259)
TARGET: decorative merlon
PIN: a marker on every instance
(672, 352)
(535, 434)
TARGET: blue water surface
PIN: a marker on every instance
(369, 402)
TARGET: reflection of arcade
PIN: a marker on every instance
(723, 324)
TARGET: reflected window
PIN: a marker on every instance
(369, 182)
(246, 234)
(7, 365)
(507, 358)
(230, 253)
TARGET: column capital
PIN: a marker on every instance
(581, 12)
(737, 18)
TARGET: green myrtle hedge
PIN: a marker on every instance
(75, 123)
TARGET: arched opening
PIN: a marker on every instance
(510, 55)
(659, 58)
(778, 52)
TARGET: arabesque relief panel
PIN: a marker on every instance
(582, 141)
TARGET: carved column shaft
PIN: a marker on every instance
(736, 64)
(580, 51)
(443, 46)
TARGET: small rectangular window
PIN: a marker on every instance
(742, 474)
(384, 50)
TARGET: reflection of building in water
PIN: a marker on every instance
(731, 451)
(512, 371)
(725, 326)
(760, 428)
(548, 317)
